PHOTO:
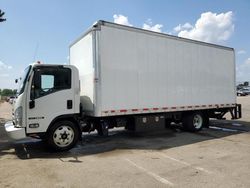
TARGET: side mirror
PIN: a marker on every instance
(32, 104)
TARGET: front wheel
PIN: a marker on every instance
(63, 136)
(193, 122)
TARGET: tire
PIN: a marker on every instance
(103, 128)
(193, 122)
(62, 136)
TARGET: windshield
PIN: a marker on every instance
(23, 80)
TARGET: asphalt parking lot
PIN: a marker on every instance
(218, 156)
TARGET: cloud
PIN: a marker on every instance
(210, 27)
(149, 26)
(180, 27)
(4, 75)
(241, 52)
(120, 19)
(243, 70)
(4, 69)
(4, 66)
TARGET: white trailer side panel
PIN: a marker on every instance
(81, 55)
(144, 70)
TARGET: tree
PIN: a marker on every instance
(14, 91)
(1, 16)
(7, 92)
(246, 84)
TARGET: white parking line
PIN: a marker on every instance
(174, 159)
(152, 174)
(185, 163)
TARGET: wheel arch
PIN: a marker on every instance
(68, 117)
(204, 112)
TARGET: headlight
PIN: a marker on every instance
(19, 116)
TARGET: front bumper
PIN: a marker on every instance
(13, 132)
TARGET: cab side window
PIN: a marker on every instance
(47, 82)
(50, 80)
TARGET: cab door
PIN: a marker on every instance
(51, 95)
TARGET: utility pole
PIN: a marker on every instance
(1, 16)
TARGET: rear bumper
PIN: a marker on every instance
(13, 132)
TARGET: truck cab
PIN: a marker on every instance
(47, 105)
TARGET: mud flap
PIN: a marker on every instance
(236, 112)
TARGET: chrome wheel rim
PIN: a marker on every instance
(197, 121)
(63, 136)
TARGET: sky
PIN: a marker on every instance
(43, 30)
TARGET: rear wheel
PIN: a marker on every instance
(194, 121)
(63, 136)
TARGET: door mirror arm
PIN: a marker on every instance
(32, 104)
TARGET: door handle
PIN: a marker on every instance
(69, 104)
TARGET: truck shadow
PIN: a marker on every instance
(121, 140)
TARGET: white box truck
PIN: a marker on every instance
(125, 76)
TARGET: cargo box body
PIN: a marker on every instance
(125, 70)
